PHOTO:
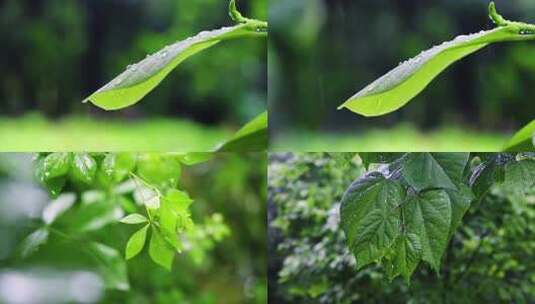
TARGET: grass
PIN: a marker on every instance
(33, 133)
(404, 138)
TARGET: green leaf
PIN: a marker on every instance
(162, 170)
(428, 216)
(57, 207)
(117, 166)
(32, 242)
(523, 140)
(53, 165)
(179, 200)
(460, 203)
(194, 158)
(370, 217)
(84, 167)
(160, 251)
(134, 218)
(434, 170)
(378, 158)
(110, 265)
(136, 242)
(252, 137)
(96, 215)
(520, 176)
(141, 78)
(485, 175)
(396, 88)
(408, 252)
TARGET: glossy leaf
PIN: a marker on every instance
(117, 166)
(434, 170)
(53, 165)
(523, 140)
(520, 176)
(134, 218)
(252, 137)
(396, 88)
(141, 78)
(136, 242)
(160, 251)
(110, 265)
(369, 217)
(460, 203)
(428, 215)
(84, 167)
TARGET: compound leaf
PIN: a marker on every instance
(160, 251)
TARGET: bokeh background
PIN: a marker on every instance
(487, 261)
(233, 271)
(322, 52)
(57, 52)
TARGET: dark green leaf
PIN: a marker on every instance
(407, 254)
(428, 216)
(434, 170)
(370, 217)
(460, 203)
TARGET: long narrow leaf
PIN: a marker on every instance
(523, 140)
(252, 137)
(141, 78)
(400, 85)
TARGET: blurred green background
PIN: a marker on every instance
(234, 271)
(55, 53)
(323, 52)
(489, 259)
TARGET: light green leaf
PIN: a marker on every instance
(407, 254)
(141, 78)
(32, 242)
(160, 251)
(252, 137)
(159, 169)
(396, 88)
(84, 167)
(134, 218)
(523, 140)
(110, 265)
(370, 217)
(117, 166)
(428, 215)
(194, 158)
(434, 170)
(179, 200)
(136, 242)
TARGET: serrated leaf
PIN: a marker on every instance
(141, 78)
(136, 242)
(460, 203)
(378, 158)
(252, 137)
(84, 167)
(33, 241)
(520, 176)
(134, 218)
(523, 140)
(370, 217)
(408, 252)
(57, 207)
(428, 216)
(160, 251)
(434, 170)
(396, 88)
(110, 265)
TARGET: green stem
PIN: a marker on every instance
(253, 24)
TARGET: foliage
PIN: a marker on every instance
(92, 190)
(523, 140)
(400, 85)
(313, 262)
(252, 137)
